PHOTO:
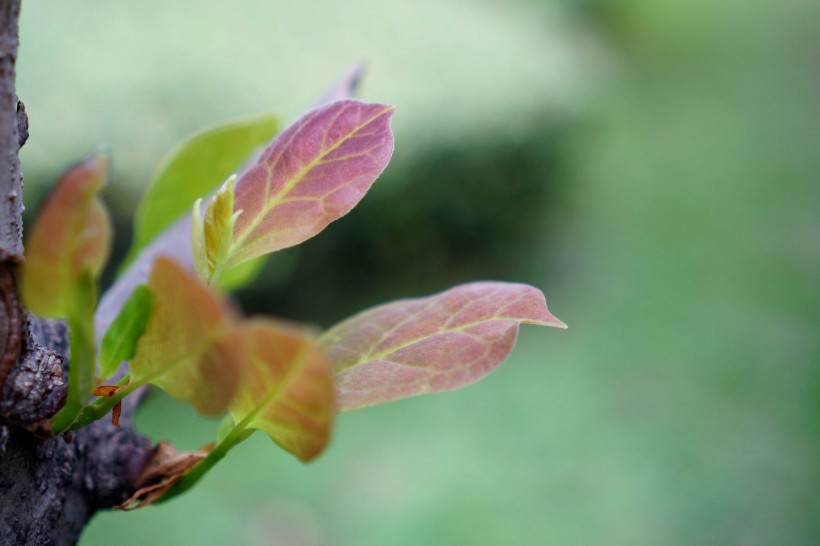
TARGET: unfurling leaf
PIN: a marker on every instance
(314, 173)
(188, 349)
(287, 390)
(212, 236)
(195, 169)
(71, 237)
(431, 344)
(120, 340)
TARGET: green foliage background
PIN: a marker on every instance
(651, 165)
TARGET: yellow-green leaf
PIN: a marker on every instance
(287, 390)
(71, 237)
(212, 235)
(195, 169)
(189, 348)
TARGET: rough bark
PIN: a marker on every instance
(49, 487)
(11, 209)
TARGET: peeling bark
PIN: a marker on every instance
(49, 487)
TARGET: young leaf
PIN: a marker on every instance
(195, 169)
(287, 390)
(312, 174)
(71, 236)
(212, 236)
(174, 241)
(188, 348)
(431, 344)
(120, 341)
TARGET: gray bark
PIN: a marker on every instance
(49, 487)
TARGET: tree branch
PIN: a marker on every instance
(11, 188)
(49, 488)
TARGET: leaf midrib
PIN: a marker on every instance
(270, 204)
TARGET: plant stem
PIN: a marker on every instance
(102, 405)
(82, 365)
(236, 436)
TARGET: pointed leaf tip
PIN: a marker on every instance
(438, 343)
(315, 172)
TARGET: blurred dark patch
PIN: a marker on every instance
(449, 213)
(122, 204)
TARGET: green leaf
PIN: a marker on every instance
(120, 340)
(81, 346)
(195, 169)
(242, 274)
(212, 235)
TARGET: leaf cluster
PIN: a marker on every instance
(177, 331)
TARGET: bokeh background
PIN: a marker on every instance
(652, 166)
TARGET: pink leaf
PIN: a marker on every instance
(432, 344)
(71, 237)
(345, 87)
(314, 173)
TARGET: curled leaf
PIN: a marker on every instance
(71, 236)
(212, 236)
(441, 342)
(287, 390)
(108, 391)
(116, 411)
(188, 349)
(314, 173)
(164, 469)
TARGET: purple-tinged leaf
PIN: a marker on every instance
(174, 241)
(312, 174)
(438, 343)
(71, 237)
(345, 87)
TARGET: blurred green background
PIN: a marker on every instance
(652, 166)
